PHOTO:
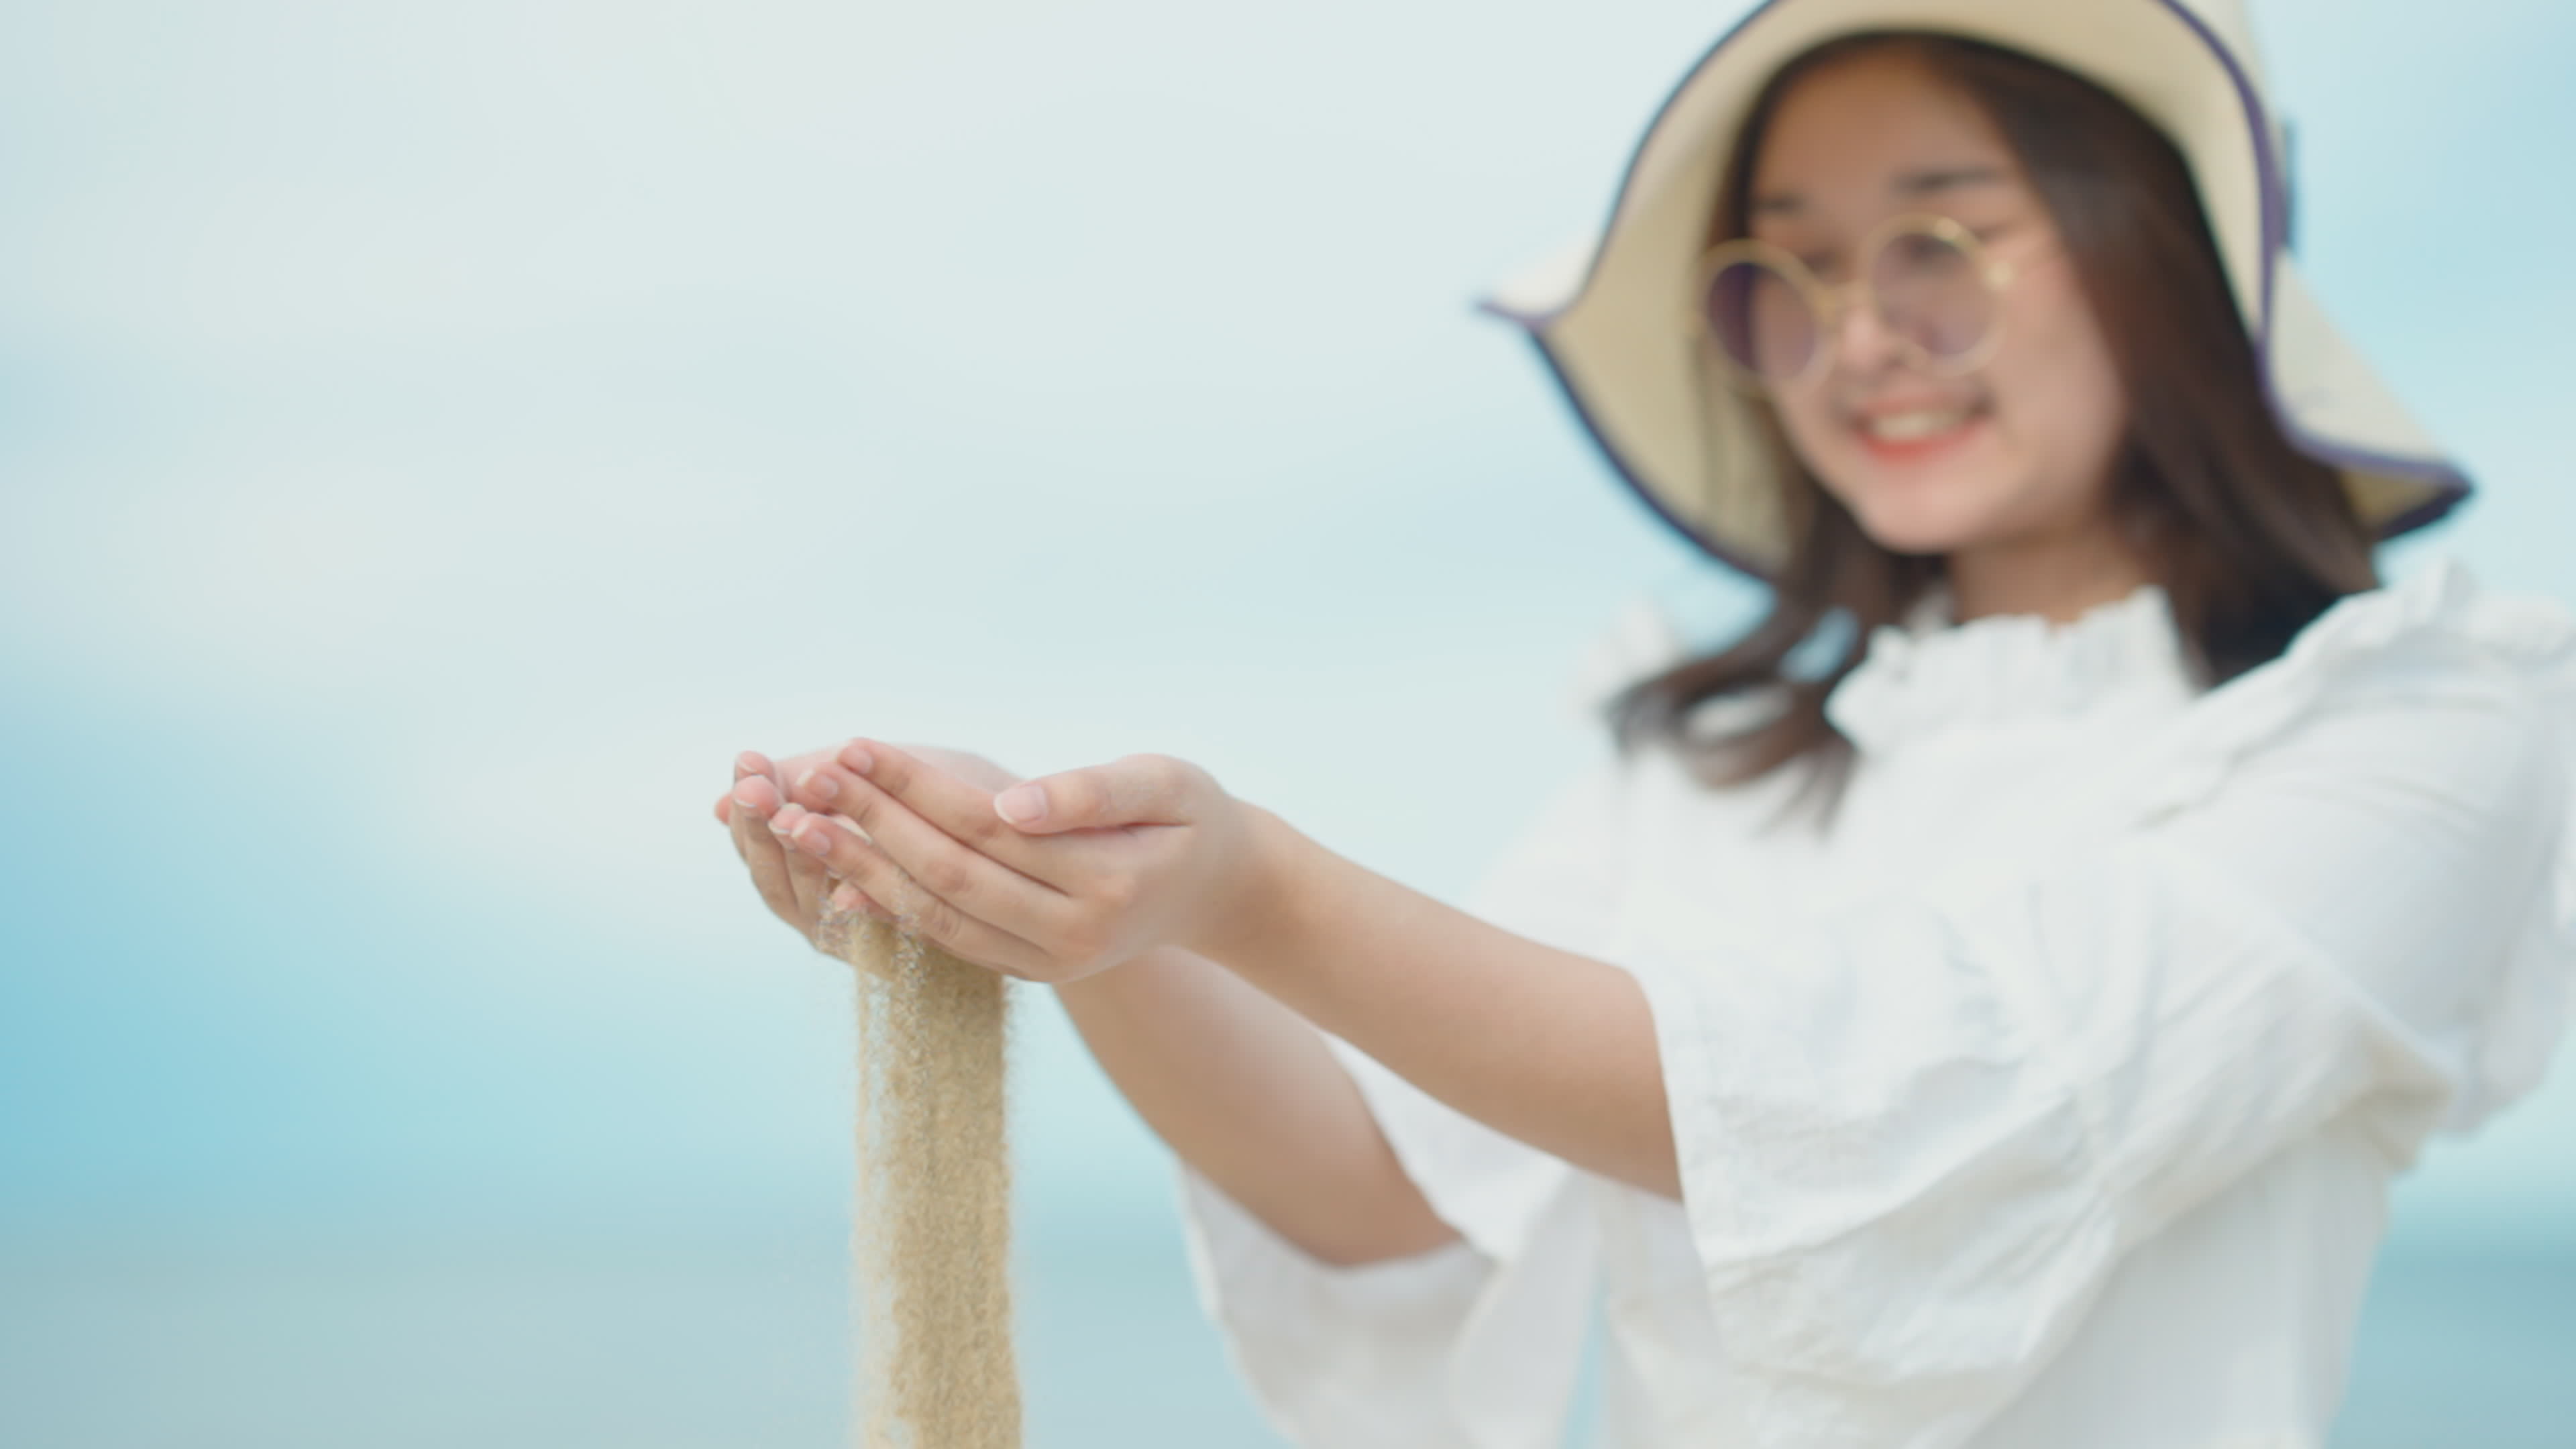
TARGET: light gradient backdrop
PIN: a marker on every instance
(435, 437)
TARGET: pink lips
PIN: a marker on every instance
(1916, 450)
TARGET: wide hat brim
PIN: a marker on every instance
(1615, 321)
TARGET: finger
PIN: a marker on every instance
(917, 910)
(1138, 790)
(752, 764)
(848, 897)
(761, 853)
(754, 800)
(973, 769)
(819, 787)
(745, 766)
(960, 810)
(975, 884)
(805, 875)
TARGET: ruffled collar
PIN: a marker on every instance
(1931, 676)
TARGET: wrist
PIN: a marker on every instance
(1259, 913)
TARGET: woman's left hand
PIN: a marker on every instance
(1051, 880)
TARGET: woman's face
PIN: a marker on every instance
(2015, 453)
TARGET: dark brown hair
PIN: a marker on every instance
(2250, 538)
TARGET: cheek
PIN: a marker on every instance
(2057, 391)
(1815, 433)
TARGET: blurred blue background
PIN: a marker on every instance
(435, 437)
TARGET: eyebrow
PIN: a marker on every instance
(1912, 184)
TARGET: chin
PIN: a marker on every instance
(1922, 521)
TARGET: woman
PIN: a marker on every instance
(1985, 1005)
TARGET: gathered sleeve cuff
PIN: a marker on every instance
(1335, 1356)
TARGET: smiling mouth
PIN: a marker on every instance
(1916, 432)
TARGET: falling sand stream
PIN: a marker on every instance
(930, 1229)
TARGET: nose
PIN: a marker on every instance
(1859, 340)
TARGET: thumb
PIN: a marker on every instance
(1138, 790)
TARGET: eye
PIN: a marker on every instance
(1820, 255)
(1825, 263)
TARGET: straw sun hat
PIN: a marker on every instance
(1615, 322)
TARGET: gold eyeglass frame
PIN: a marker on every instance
(1831, 304)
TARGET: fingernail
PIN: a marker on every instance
(786, 818)
(1021, 804)
(812, 841)
(743, 798)
(856, 756)
(818, 784)
(747, 764)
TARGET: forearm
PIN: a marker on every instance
(1247, 1093)
(1554, 1049)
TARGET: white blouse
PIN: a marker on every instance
(2050, 1098)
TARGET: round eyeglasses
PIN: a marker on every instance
(1928, 279)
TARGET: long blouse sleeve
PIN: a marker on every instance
(1916, 1136)
(1475, 1344)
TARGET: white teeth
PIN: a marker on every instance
(1905, 427)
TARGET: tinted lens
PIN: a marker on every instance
(1761, 319)
(1931, 292)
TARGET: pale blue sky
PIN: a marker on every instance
(435, 437)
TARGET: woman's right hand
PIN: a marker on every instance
(792, 883)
